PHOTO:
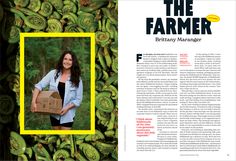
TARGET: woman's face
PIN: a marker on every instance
(67, 61)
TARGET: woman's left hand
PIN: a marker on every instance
(64, 110)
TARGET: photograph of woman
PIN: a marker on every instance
(65, 79)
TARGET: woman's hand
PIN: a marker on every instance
(64, 111)
(67, 108)
(33, 106)
(34, 97)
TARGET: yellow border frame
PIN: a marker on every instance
(92, 83)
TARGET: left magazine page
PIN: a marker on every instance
(59, 80)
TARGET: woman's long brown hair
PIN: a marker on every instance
(75, 68)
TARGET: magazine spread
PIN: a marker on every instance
(61, 84)
(177, 80)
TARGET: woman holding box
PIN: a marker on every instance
(66, 80)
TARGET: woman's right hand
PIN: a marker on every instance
(34, 98)
(33, 106)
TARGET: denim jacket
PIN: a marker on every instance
(72, 94)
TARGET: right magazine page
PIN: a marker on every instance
(177, 80)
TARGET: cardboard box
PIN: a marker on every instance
(48, 102)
